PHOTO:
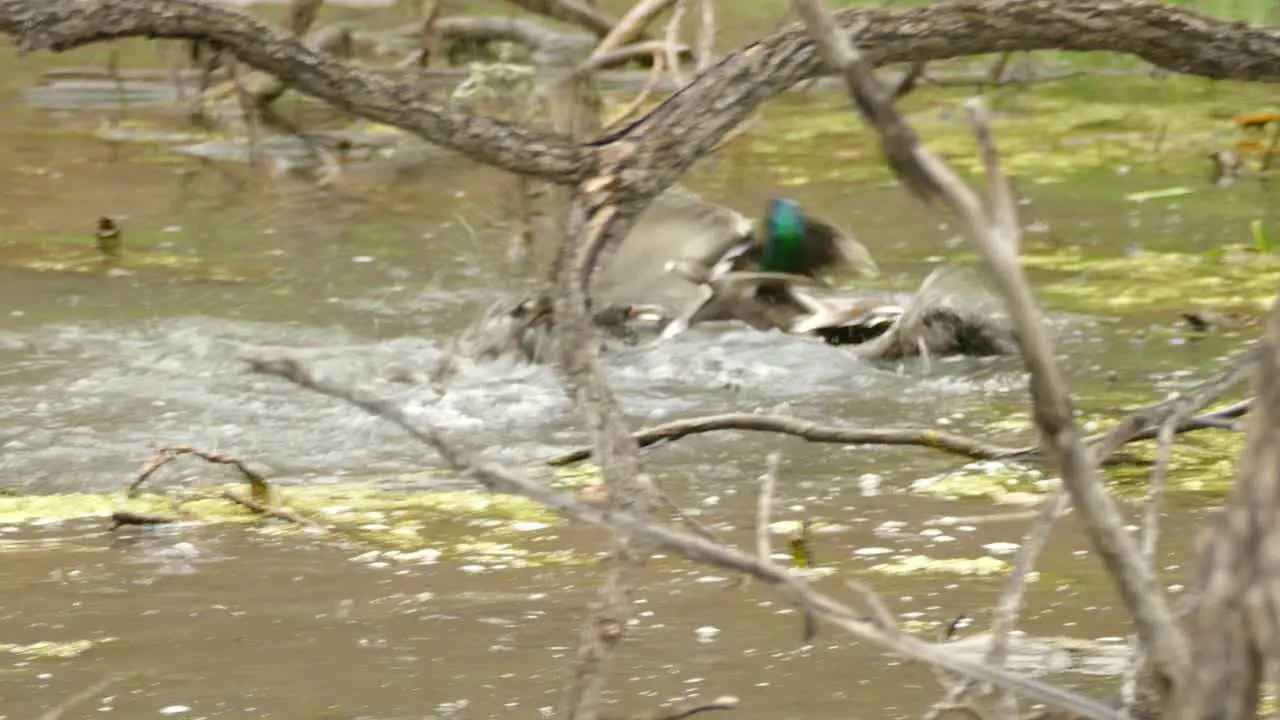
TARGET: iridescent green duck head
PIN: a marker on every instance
(784, 237)
(800, 245)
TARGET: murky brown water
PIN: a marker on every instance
(385, 268)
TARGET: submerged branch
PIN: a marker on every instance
(500, 479)
(920, 437)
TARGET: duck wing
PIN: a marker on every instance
(828, 248)
(678, 225)
(736, 295)
(874, 316)
(953, 312)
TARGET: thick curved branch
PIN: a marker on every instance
(60, 25)
(694, 120)
(691, 122)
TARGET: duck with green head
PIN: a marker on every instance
(796, 244)
(758, 270)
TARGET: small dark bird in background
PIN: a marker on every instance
(108, 238)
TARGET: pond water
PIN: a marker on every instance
(384, 268)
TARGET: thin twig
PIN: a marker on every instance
(1009, 606)
(808, 430)
(637, 102)
(56, 712)
(673, 41)
(168, 453)
(706, 34)
(593, 221)
(1102, 444)
(281, 513)
(630, 26)
(897, 138)
(764, 506)
(1148, 543)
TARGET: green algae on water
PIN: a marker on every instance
(56, 650)
(920, 564)
(1003, 482)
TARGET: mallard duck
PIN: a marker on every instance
(637, 288)
(708, 240)
(949, 315)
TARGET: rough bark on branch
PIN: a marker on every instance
(696, 119)
(65, 24)
(1236, 627)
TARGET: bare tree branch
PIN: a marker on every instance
(764, 506)
(1236, 626)
(513, 481)
(997, 240)
(592, 221)
(61, 25)
(706, 33)
(571, 11)
(1146, 422)
(711, 106)
(631, 25)
(1100, 444)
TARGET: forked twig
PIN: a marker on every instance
(259, 499)
(168, 453)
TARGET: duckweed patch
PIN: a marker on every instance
(1044, 136)
(920, 564)
(143, 253)
(1200, 464)
(1002, 482)
(1232, 279)
(55, 650)
(403, 526)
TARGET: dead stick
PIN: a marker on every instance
(764, 506)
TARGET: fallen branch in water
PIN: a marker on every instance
(281, 513)
(1146, 422)
(168, 453)
(807, 430)
(259, 499)
(501, 479)
(920, 437)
